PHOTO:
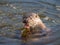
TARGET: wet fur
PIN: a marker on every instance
(34, 24)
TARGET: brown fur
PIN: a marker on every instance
(31, 21)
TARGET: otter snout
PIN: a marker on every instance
(25, 21)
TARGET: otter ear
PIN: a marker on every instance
(37, 15)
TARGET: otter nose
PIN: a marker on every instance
(25, 21)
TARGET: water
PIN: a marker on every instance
(11, 12)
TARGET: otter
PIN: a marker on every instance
(34, 24)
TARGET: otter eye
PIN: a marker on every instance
(36, 16)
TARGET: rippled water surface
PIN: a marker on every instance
(11, 12)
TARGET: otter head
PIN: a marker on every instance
(33, 20)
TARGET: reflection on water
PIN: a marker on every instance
(11, 12)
